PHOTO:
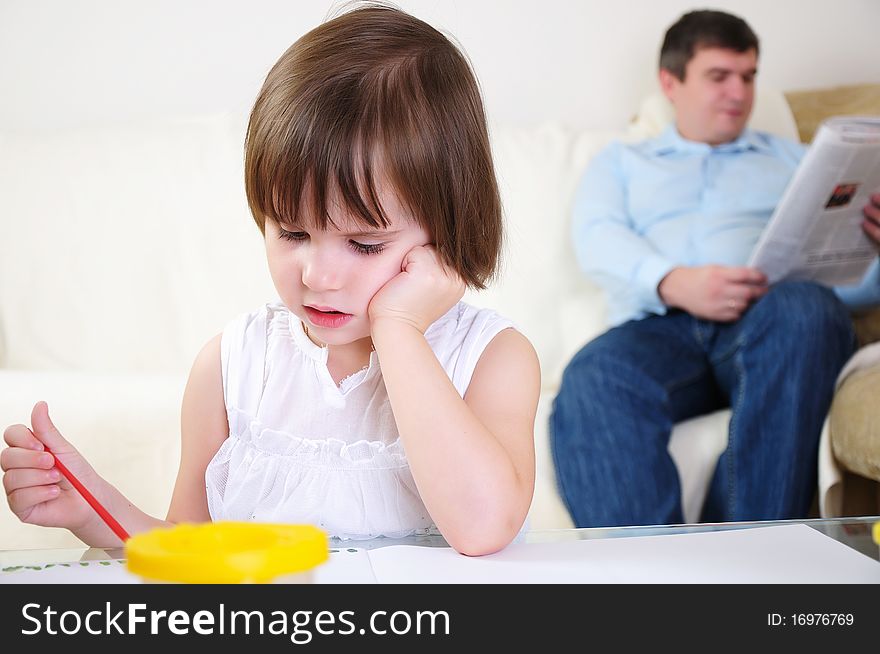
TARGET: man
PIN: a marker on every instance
(666, 226)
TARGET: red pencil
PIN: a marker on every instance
(88, 497)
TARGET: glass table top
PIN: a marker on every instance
(856, 532)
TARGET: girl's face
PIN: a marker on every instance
(327, 278)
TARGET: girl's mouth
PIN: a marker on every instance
(326, 317)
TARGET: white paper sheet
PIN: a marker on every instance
(110, 571)
(350, 565)
(779, 554)
(344, 566)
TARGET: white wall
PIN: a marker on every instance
(72, 62)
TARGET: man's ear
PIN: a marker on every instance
(668, 83)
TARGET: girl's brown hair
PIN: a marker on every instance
(377, 93)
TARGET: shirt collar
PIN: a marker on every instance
(670, 141)
(303, 342)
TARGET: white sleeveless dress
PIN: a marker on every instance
(302, 449)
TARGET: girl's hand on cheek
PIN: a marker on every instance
(423, 291)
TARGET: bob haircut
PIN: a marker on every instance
(703, 29)
(377, 94)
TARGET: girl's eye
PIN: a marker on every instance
(360, 248)
(292, 236)
(367, 248)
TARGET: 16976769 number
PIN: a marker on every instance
(810, 620)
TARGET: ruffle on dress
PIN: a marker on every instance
(352, 490)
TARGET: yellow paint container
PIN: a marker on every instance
(227, 553)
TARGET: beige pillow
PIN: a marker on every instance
(813, 106)
(867, 325)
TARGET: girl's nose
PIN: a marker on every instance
(320, 271)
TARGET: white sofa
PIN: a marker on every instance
(123, 248)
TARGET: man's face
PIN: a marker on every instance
(713, 103)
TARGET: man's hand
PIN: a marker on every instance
(423, 291)
(871, 223)
(720, 293)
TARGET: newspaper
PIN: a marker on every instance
(815, 232)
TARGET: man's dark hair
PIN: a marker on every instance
(703, 29)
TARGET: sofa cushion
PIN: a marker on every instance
(855, 423)
(134, 242)
(539, 285)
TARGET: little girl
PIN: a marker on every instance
(369, 401)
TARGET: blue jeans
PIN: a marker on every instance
(622, 393)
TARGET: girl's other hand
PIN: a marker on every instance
(36, 490)
(423, 291)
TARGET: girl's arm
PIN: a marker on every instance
(472, 458)
(203, 428)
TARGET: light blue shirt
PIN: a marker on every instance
(642, 209)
